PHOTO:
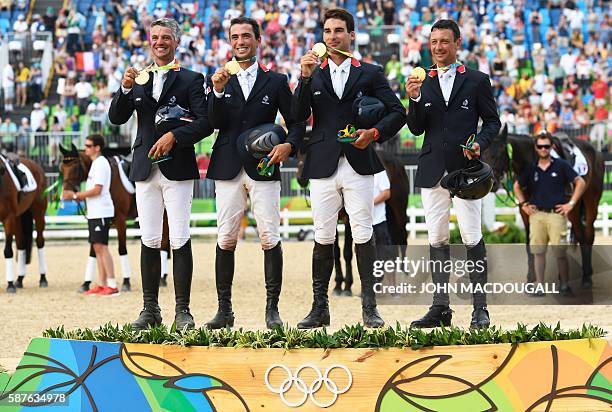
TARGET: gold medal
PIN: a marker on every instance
(320, 49)
(233, 67)
(418, 72)
(142, 78)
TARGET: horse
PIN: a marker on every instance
(508, 163)
(74, 169)
(397, 219)
(18, 212)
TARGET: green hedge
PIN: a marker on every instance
(355, 336)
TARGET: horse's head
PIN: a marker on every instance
(498, 158)
(72, 168)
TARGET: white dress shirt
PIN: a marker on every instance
(159, 78)
(446, 80)
(339, 75)
(246, 79)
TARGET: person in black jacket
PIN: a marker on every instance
(446, 106)
(342, 174)
(168, 184)
(236, 104)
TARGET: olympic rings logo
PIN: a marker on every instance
(308, 391)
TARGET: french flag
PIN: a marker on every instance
(88, 62)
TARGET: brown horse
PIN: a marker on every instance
(397, 219)
(74, 170)
(507, 165)
(17, 213)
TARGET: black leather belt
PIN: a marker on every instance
(547, 210)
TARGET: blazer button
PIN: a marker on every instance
(444, 144)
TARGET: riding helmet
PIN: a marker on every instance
(472, 182)
(258, 141)
(367, 111)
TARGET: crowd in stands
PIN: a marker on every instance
(549, 60)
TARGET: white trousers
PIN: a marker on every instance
(345, 188)
(231, 202)
(155, 194)
(437, 204)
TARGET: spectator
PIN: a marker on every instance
(36, 79)
(8, 132)
(23, 78)
(100, 211)
(38, 24)
(23, 136)
(21, 25)
(37, 116)
(84, 91)
(8, 87)
(547, 207)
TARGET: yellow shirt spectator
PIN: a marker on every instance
(24, 75)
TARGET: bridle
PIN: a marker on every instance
(74, 185)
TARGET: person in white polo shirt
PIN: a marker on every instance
(100, 212)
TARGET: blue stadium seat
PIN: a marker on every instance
(4, 25)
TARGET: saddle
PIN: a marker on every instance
(125, 163)
(566, 149)
(13, 162)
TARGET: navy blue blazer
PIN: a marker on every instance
(183, 87)
(232, 115)
(446, 127)
(330, 114)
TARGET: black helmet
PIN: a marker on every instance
(472, 182)
(258, 141)
(367, 111)
(170, 117)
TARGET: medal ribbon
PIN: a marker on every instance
(449, 67)
(174, 65)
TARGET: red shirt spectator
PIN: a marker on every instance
(601, 113)
(600, 89)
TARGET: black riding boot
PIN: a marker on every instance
(366, 254)
(224, 275)
(150, 268)
(439, 314)
(273, 270)
(182, 266)
(478, 255)
(322, 266)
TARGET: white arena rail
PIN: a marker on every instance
(74, 227)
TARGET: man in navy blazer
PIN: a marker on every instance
(252, 97)
(169, 184)
(342, 174)
(447, 106)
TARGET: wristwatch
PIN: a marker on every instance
(74, 196)
(572, 203)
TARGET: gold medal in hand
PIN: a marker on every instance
(320, 49)
(233, 67)
(142, 78)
